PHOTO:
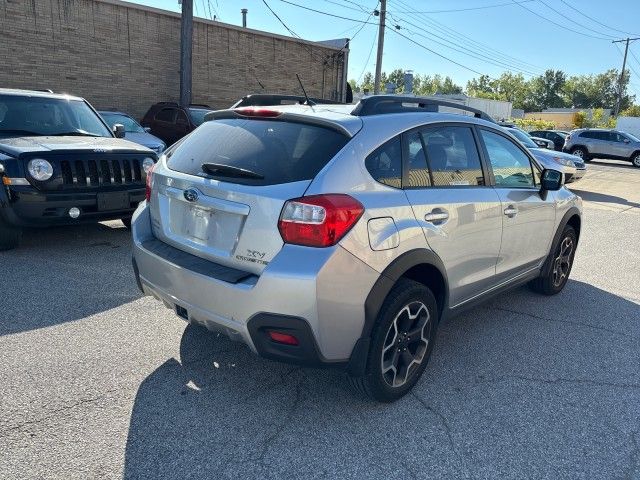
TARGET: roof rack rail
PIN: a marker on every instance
(269, 100)
(46, 90)
(381, 104)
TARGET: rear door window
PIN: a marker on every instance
(166, 115)
(453, 156)
(271, 151)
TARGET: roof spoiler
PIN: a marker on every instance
(267, 100)
(383, 104)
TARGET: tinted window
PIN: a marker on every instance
(166, 115)
(48, 116)
(281, 152)
(511, 166)
(524, 137)
(181, 118)
(130, 125)
(587, 135)
(452, 156)
(197, 115)
(385, 163)
(418, 171)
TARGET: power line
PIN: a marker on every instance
(595, 20)
(434, 52)
(575, 22)
(564, 27)
(464, 9)
(464, 50)
(472, 42)
(327, 13)
(366, 64)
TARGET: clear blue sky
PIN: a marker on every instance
(508, 34)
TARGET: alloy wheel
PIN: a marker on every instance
(406, 343)
(562, 263)
(579, 153)
(636, 160)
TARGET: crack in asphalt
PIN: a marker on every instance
(54, 413)
(463, 467)
(285, 422)
(557, 320)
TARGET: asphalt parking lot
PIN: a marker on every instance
(98, 382)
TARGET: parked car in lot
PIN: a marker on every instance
(341, 236)
(556, 136)
(133, 131)
(588, 143)
(170, 122)
(572, 167)
(539, 141)
(60, 163)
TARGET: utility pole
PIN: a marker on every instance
(383, 14)
(624, 65)
(186, 49)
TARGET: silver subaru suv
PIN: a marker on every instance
(588, 143)
(342, 235)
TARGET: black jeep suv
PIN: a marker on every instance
(61, 164)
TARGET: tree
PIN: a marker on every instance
(546, 90)
(632, 111)
(367, 82)
(354, 85)
(397, 78)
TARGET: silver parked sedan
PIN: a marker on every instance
(571, 166)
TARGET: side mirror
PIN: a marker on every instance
(626, 140)
(147, 129)
(551, 180)
(118, 130)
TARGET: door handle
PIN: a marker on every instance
(511, 211)
(436, 216)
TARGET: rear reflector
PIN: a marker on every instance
(148, 184)
(257, 112)
(283, 338)
(318, 220)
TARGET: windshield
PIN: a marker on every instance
(197, 115)
(130, 125)
(524, 138)
(48, 116)
(562, 134)
(632, 137)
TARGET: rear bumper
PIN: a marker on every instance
(29, 207)
(316, 294)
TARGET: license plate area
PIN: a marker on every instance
(113, 201)
(199, 224)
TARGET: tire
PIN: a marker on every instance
(635, 159)
(126, 222)
(10, 236)
(561, 263)
(580, 152)
(410, 306)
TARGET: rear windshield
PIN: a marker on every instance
(277, 151)
(197, 115)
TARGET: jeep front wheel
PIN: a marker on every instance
(580, 152)
(635, 159)
(401, 344)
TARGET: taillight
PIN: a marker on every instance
(318, 220)
(147, 190)
(257, 112)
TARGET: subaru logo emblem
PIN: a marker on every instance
(191, 195)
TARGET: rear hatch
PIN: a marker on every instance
(218, 193)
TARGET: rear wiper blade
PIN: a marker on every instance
(218, 169)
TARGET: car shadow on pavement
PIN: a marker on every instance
(63, 274)
(526, 386)
(604, 198)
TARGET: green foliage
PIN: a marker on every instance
(553, 89)
(534, 124)
(579, 119)
(597, 120)
(632, 111)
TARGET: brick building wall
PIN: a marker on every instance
(126, 56)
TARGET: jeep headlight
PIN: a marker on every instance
(147, 163)
(564, 161)
(40, 169)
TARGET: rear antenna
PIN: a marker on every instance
(307, 102)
